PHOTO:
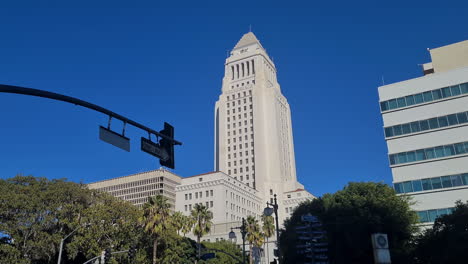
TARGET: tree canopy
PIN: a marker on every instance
(349, 217)
(447, 241)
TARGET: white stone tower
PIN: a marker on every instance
(253, 133)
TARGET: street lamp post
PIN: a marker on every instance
(243, 231)
(268, 212)
(63, 240)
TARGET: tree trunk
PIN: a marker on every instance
(250, 254)
(268, 252)
(155, 250)
(199, 247)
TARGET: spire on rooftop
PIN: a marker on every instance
(247, 39)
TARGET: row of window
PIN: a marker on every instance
(239, 116)
(246, 137)
(188, 196)
(233, 96)
(137, 189)
(132, 184)
(425, 97)
(432, 183)
(242, 69)
(429, 153)
(240, 131)
(242, 84)
(427, 124)
(239, 102)
(431, 215)
(188, 207)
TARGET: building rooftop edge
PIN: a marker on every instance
(135, 174)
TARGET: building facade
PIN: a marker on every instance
(228, 199)
(253, 130)
(138, 187)
(426, 129)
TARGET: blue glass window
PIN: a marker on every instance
(424, 125)
(398, 188)
(464, 88)
(455, 90)
(432, 215)
(433, 123)
(407, 187)
(460, 148)
(446, 92)
(415, 127)
(437, 94)
(406, 129)
(402, 157)
(401, 102)
(439, 152)
(430, 153)
(456, 180)
(426, 184)
(443, 121)
(423, 217)
(441, 212)
(384, 106)
(409, 100)
(417, 186)
(449, 150)
(436, 183)
(392, 159)
(446, 182)
(397, 130)
(462, 118)
(427, 96)
(411, 156)
(464, 178)
(418, 98)
(420, 155)
(392, 104)
(452, 120)
(388, 132)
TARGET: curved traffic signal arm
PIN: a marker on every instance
(166, 136)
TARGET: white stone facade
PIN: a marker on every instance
(253, 130)
(228, 199)
(426, 127)
(138, 187)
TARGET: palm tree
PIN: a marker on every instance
(187, 224)
(268, 230)
(155, 219)
(202, 217)
(254, 235)
(178, 221)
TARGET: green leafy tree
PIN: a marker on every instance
(187, 224)
(202, 217)
(36, 213)
(156, 220)
(349, 217)
(268, 228)
(254, 235)
(178, 220)
(447, 241)
(226, 252)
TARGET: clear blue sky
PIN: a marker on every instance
(156, 61)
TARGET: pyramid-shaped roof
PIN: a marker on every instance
(247, 39)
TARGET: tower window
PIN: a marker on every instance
(237, 67)
(232, 72)
(253, 67)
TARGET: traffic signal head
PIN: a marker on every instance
(107, 255)
(132, 252)
(168, 146)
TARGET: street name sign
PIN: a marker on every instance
(113, 138)
(154, 149)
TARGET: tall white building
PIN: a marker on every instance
(426, 129)
(253, 131)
